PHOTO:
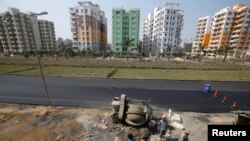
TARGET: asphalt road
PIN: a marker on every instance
(97, 93)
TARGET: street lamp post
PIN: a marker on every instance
(38, 58)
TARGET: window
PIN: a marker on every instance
(117, 12)
(117, 49)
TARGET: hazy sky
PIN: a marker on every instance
(58, 11)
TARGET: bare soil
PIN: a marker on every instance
(44, 123)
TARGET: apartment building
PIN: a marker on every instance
(21, 32)
(16, 32)
(203, 32)
(125, 24)
(88, 26)
(230, 27)
(63, 42)
(47, 33)
(162, 29)
(221, 28)
(240, 34)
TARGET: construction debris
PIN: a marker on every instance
(79, 124)
(177, 125)
(175, 118)
(243, 118)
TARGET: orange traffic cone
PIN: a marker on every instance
(215, 94)
(112, 86)
(224, 100)
(234, 106)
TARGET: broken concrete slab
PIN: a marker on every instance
(176, 117)
(177, 125)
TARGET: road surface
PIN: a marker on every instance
(97, 93)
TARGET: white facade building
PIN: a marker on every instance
(203, 31)
(88, 26)
(162, 29)
(221, 28)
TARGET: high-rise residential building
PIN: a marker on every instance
(88, 27)
(64, 42)
(17, 32)
(125, 24)
(203, 32)
(21, 32)
(47, 33)
(230, 27)
(221, 28)
(240, 34)
(162, 29)
(187, 45)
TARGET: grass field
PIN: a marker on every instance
(57, 71)
(216, 75)
(8, 69)
(104, 68)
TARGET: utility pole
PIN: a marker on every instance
(38, 58)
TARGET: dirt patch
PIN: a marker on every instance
(41, 123)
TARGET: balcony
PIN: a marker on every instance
(236, 35)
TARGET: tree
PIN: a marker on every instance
(26, 53)
(55, 53)
(225, 50)
(139, 49)
(7, 48)
(66, 51)
(16, 48)
(168, 51)
(126, 42)
(110, 51)
(200, 51)
(215, 52)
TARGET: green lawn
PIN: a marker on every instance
(103, 68)
(70, 71)
(8, 69)
(216, 75)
